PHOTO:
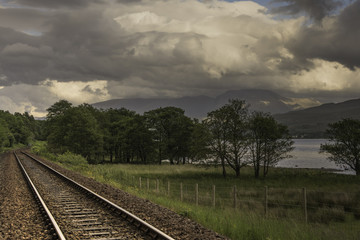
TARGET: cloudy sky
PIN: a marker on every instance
(95, 50)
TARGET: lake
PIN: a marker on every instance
(306, 155)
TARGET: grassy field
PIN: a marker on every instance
(333, 205)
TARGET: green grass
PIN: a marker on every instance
(333, 210)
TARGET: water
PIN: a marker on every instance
(306, 155)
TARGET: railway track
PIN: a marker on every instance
(75, 212)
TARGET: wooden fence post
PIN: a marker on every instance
(235, 197)
(140, 182)
(168, 188)
(266, 202)
(147, 184)
(181, 192)
(213, 196)
(305, 205)
(197, 194)
(157, 185)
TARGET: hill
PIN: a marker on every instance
(199, 106)
(312, 122)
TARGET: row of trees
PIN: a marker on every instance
(17, 129)
(230, 135)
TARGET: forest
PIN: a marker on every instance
(18, 129)
(229, 136)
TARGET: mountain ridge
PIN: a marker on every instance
(313, 122)
(199, 106)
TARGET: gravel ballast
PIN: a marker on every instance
(20, 217)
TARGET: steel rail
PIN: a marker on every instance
(38, 196)
(157, 234)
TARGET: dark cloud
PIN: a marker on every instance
(316, 9)
(337, 42)
(24, 19)
(55, 3)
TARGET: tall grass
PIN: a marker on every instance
(332, 199)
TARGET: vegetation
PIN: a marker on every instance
(344, 146)
(18, 129)
(228, 128)
(269, 142)
(122, 136)
(327, 195)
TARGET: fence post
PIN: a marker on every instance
(305, 205)
(168, 188)
(147, 184)
(213, 196)
(197, 194)
(235, 197)
(157, 185)
(266, 201)
(140, 182)
(181, 192)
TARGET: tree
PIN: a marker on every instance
(269, 142)
(228, 127)
(171, 131)
(74, 129)
(344, 144)
(199, 141)
(6, 137)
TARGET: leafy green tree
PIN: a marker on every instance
(74, 129)
(58, 109)
(82, 133)
(199, 141)
(5, 135)
(217, 127)
(344, 144)
(269, 142)
(55, 126)
(140, 139)
(171, 131)
(228, 127)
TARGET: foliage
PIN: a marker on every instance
(122, 136)
(228, 126)
(17, 129)
(74, 129)
(245, 224)
(269, 142)
(344, 144)
(75, 160)
(172, 132)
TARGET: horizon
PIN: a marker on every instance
(94, 51)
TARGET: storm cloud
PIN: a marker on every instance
(336, 40)
(317, 9)
(156, 48)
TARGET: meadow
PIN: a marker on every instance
(244, 207)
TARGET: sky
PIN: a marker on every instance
(96, 50)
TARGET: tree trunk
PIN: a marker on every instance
(237, 171)
(223, 168)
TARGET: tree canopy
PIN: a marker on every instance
(344, 144)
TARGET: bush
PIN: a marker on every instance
(72, 159)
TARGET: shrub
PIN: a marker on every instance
(74, 160)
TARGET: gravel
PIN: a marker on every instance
(20, 217)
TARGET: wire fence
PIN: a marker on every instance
(300, 204)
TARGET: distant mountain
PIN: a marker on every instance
(312, 122)
(199, 106)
